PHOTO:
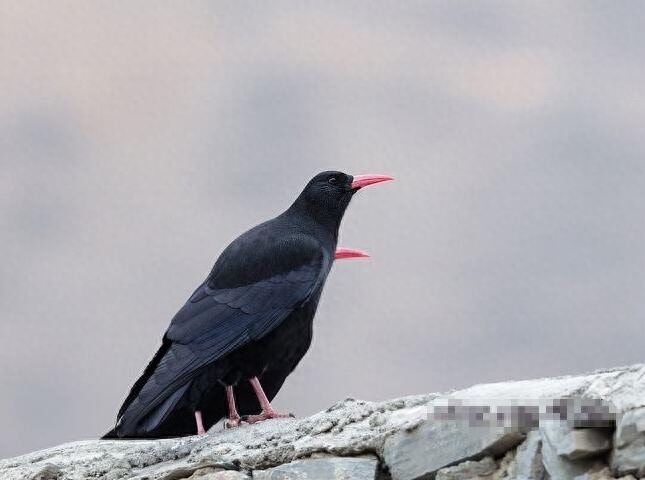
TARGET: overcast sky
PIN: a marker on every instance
(138, 138)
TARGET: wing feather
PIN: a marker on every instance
(213, 323)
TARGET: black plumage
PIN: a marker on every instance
(251, 317)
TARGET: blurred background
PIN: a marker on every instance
(138, 138)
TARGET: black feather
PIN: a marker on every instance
(250, 317)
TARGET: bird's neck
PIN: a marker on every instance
(315, 217)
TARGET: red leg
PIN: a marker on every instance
(233, 416)
(267, 410)
(199, 422)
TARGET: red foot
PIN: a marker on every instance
(266, 415)
(200, 424)
(267, 409)
(233, 417)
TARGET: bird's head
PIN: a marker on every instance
(328, 194)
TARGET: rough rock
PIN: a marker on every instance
(326, 468)
(527, 464)
(210, 473)
(560, 424)
(470, 469)
(628, 454)
(603, 474)
(580, 443)
(434, 445)
(556, 436)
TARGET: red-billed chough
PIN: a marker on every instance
(229, 349)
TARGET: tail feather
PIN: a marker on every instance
(130, 424)
(145, 376)
(152, 421)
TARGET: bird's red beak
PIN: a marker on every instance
(344, 252)
(361, 181)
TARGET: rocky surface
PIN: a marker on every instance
(584, 427)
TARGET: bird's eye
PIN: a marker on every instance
(333, 180)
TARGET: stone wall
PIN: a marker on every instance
(585, 427)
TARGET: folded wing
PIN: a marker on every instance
(216, 321)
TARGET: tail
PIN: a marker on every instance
(151, 426)
(126, 426)
(147, 373)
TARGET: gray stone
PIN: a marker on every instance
(326, 468)
(582, 443)
(555, 434)
(437, 444)
(628, 454)
(469, 470)
(211, 473)
(602, 474)
(415, 436)
(47, 472)
(527, 464)
(577, 443)
(225, 475)
(505, 466)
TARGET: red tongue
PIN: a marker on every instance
(344, 252)
(360, 181)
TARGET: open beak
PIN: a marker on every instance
(361, 181)
(344, 252)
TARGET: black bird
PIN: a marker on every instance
(249, 321)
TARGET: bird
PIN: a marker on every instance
(245, 328)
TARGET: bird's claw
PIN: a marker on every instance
(265, 415)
